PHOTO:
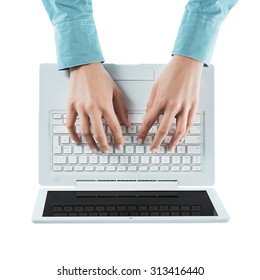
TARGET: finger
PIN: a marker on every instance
(190, 119)
(86, 132)
(98, 130)
(151, 99)
(148, 122)
(162, 130)
(70, 123)
(115, 128)
(120, 108)
(181, 124)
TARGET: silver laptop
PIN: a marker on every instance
(132, 185)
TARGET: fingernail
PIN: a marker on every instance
(106, 152)
(182, 140)
(140, 141)
(129, 123)
(153, 151)
(94, 150)
(120, 147)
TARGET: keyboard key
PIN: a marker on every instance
(185, 168)
(153, 208)
(139, 149)
(57, 168)
(67, 149)
(56, 148)
(56, 116)
(196, 159)
(155, 213)
(113, 159)
(132, 129)
(192, 139)
(64, 139)
(180, 149)
(148, 140)
(164, 168)
(194, 150)
(59, 160)
(197, 119)
(175, 168)
(111, 168)
(165, 159)
(93, 159)
(165, 213)
(145, 159)
(132, 168)
(100, 208)
(89, 208)
(121, 168)
(59, 129)
(174, 207)
(78, 168)
(110, 208)
(77, 149)
(89, 168)
(164, 207)
(103, 159)
(83, 159)
(195, 129)
(87, 150)
(167, 139)
(100, 168)
(57, 208)
(155, 159)
(134, 159)
(131, 208)
(176, 159)
(68, 168)
(59, 214)
(127, 139)
(129, 149)
(196, 168)
(186, 159)
(123, 159)
(143, 208)
(143, 168)
(154, 168)
(123, 128)
(161, 150)
(153, 130)
(121, 208)
(72, 159)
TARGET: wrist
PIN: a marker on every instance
(187, 62)
(87, 67)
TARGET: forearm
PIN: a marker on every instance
(199, 28)
(75, 32)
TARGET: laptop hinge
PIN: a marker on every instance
(126, 185)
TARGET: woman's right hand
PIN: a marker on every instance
(93, 96)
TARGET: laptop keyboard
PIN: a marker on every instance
(69, 157)
(128, 203)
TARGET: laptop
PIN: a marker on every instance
(131, 185)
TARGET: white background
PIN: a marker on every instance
(130, 32)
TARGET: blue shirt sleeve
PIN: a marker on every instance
(75, 32)
(199, 28)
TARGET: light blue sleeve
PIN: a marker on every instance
(75, 32)
(199, 28)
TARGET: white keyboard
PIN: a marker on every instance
(69, 157)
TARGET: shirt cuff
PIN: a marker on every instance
(197, 37)
(77, 43)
